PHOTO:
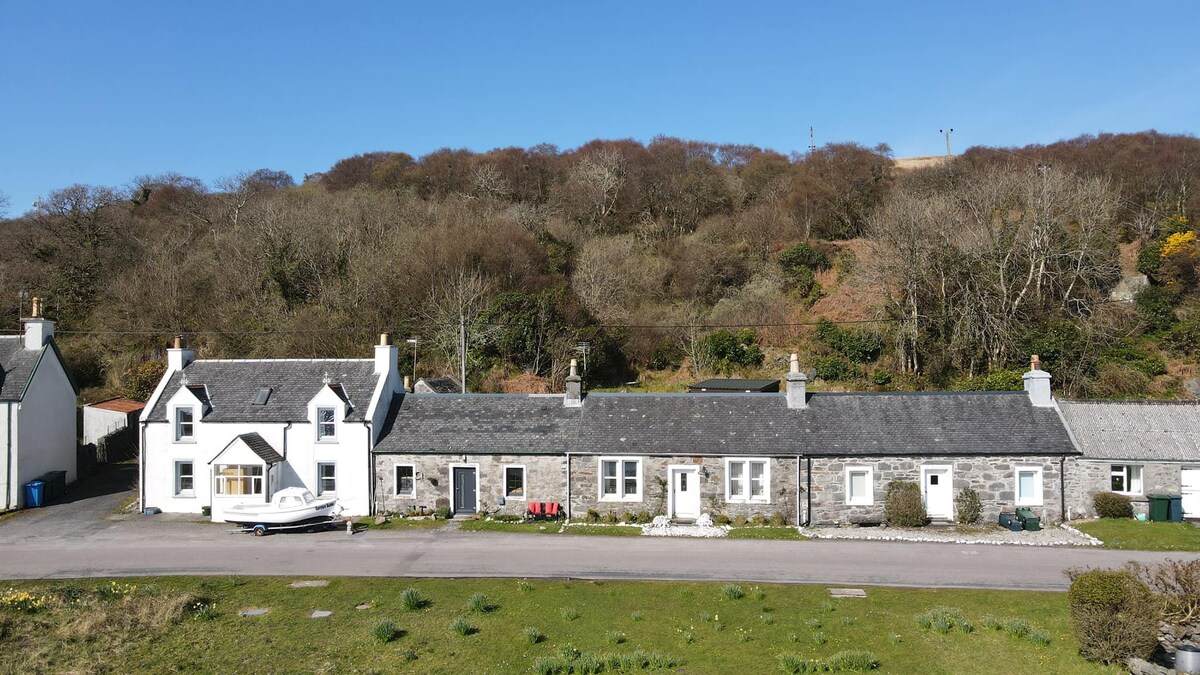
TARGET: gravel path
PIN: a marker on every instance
(1063, 535)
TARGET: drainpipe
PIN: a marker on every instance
(1062, 488)
(568, 487)
(371, 470)
(142, 471)
(808, 512)
(279, 478)
(8, 488)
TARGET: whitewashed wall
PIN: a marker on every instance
(46, 428)
(98, 423)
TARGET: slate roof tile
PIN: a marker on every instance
(16, 366)
(1140, 430)
(478, 423)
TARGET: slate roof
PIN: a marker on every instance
(719, 385)
(261, 447)
(233, 384)
(438, 385)
(1143, 430)
(478, 423)
(930, 424)
(16, 366)
(921, 425)
(687, 424)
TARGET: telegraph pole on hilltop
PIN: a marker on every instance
(947, 132)
(812, 141)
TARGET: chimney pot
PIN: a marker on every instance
(797, 384)
(574, 396)
(385, 338)
(1037, 384)
(35, 308)
(179, 356)
(407, 384)
(1035, 363)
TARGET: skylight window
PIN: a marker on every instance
(261, 397)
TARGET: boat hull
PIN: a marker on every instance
(270, 516)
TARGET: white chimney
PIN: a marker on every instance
(179, 356)
(386, 358)
(574, 395)
(38, 329)
(797, 385)
(1037, 384)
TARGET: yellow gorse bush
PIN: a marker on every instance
(1178, 243)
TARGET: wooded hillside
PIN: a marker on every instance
(674, 259)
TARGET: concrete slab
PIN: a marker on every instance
(365, 605)
(320, 614)
(258, 611)
(847, 593)
(313, 583)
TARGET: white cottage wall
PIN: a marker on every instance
(46, 428)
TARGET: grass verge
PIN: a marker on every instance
(1134, 535)
(400, 524)
(193, 624)
(765, 533)
(535, 526)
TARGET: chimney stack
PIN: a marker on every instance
(797, 385)
(574, 395)
(387, 359)
(1037, 384)
(38, 330)
(179, 356)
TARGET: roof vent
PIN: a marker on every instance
(261, 397)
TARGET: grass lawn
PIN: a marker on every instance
(765, 533)
(152, 625)
(543, 526)
(1133, 535)
(605, 530)
(400, 524)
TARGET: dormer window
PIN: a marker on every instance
(185, 424)
(326, 427)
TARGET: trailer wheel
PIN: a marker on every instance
(260, 530)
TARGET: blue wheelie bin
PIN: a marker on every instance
(35, 491)
(1175, 510)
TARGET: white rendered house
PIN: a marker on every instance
(217, 433)
(37, 410)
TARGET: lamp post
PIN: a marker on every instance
(413, 341)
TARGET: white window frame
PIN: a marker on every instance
(620, 496)
(219, 480)
(524, 481)
(869, 498)
(178, 424)
(747, 492)
(1126, 472)
(320, 491)
(179, 491)
(331, 437)
(1038, 499)
(396, 481)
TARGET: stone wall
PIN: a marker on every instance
(994, 478)
(1086, 477)
(585, 488)
(545, 481)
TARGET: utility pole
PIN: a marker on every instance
(812, 141)
(947, 132)
(462, 352)
(413, 341)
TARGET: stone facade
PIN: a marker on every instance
(545, 481)
(1086, 477)
(994, 478)
(782, 488)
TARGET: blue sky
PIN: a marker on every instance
(102, 92)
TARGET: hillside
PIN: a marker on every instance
(674, 259)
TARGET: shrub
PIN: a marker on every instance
(722, 519)
(384, 632)
(411, 599)
(628, 517)
(834, 368)
(1177, 584)
(533, 635)
(442, 513)
(1017, 627)
(1155, 307)
(614, 637)
(611, 518)
(778, 519)
(1113, 615)
(944, 619)
(1112, 505)
(856, 344)
(902, 507)
(881, 378)
(644, 517)
(462, 627)
(592, 516)
(480, 604)
(857, 660)
(794, 663)
(732, 591)
(569, 613)
(992, 622)
(740, 520)
(967, 506)
(1150, 260)
(1038, 637)
(728, 349)
(803, 256)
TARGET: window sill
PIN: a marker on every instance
(861, 503)
(742, 500)
(185, 495)
(515, 498)
(631, 498)
(1022, 505)
(406, 496)
(185, 441)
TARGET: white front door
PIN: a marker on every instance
(685, 493)
(1190, 478)
(937, 487)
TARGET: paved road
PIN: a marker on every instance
(82, 539)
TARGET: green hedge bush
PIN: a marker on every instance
(968, 506)
(1114, 616)
(1112, 505)
(902, 507)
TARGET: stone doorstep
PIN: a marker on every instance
(847, 593)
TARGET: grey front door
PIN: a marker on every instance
(464, 490)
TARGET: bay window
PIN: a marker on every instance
(235, 480)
